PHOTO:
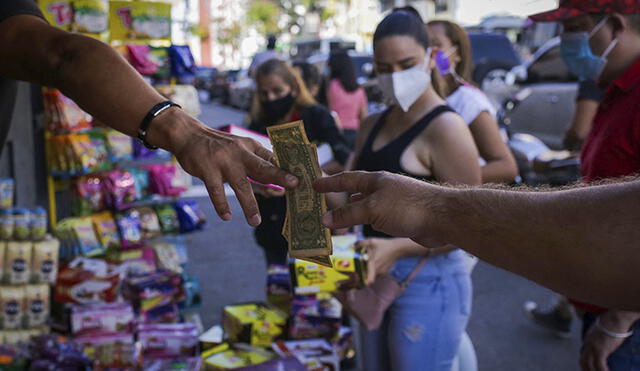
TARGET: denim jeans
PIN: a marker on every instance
(627, 356)
(423, 327)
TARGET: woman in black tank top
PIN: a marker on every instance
(421, 137)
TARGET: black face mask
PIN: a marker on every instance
(277, 108)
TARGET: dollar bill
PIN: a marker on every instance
(305, 234)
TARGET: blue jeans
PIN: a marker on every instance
(627, 356)
(423, 327)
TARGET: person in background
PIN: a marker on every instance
(345, 96)
(265, 55)
(421, 136)
(281, 97)
(559, 319)
(455, 63)
(310, 75)
(103, 84)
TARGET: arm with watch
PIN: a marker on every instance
(608, 332)
(106, 86)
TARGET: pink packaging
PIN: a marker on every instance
(102, 318)
(165, 180)
(168, 340)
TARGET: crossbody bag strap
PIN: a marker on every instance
(415, 271)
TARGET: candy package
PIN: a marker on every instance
(102, 318)
(223, 357)
(105, 347)
(167, 254)
(169, 313)
(134, 262)
(166, 180)
(91, 17)
(149, 223)
(106, 230)
(119, 186)
(279, 287)
(120, 146)
(12, 303)
(88, 195)
(18, 262)
(63, 114)
(3, 267)
(36, 304)
(315, 354)
(141, 182)
(7, 188)
(7, 224)
(168, 218)
(87, 281)
(141, 59)
(53, 352)
(44, 264)
(22, 221)
(85, 236)
(168, 340)
(190, 215)
(193, 292)
(154, 290)
(180, 364)
(255, 324)
(130, 229)
(314, 317)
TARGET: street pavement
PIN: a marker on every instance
(231, 269)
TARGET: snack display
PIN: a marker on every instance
(255, 324)
(44, 266)
(18, 262)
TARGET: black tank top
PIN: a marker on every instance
(388, 157)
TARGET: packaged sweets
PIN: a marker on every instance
(7, 187)
(38, 224)
(119, 186)
(193, 292)
(102, 318)
(168, 340)
(15, 337)
(85, 235)
(3, 251)
(314, 353)
(180, 364)
(153, 290)
(314, 317)
(87, 281)
(255, 324)
(91, 17)
(7, 224)
(12, 302)
(149, 223)
(130, 229)
(106, 230)
(18, 262)
(167, 256)
(36, 304)
(190, 216)
(120, 146)
(279, 287)
(166, 180)
(22, 221)
(141, 182)
(134, 262)
(88, 195)
(168, 218)
(103, 347)
(44, 261)
(54, 352)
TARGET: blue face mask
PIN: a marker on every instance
(577, 55)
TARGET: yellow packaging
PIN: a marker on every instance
(256, 324)
(58, 13)
(18, 262)
(91, 17)
(44, 264)
(139, 20)
(349, 263)
(12, 306)
(37, 304)
(14, 337)
(224, 358)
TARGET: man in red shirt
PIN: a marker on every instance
(601, 41)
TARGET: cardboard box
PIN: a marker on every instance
(256, 324)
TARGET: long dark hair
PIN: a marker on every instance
(407, 23)
(342, 69)
(460, 39)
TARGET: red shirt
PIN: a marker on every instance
(612, 148)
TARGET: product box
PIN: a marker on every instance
(349, 264)
(102, 318)
(315, 354)
(256, 324)
(279, 287)
(12, 300)
(223, 357)
(314, 317)
(36, 304)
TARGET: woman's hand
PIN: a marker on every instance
(383, 252)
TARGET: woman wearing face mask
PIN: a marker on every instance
(419, 136)
(455, 62)
(282, 97)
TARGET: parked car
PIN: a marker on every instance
(493, 56)
(241, 90)
(204, 77)
(548, 108)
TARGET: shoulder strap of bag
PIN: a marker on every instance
(415, 271)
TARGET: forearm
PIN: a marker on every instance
(406, 247)
(582, 242)
(618, 320)
(499, 171)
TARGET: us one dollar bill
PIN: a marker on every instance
(303, 230)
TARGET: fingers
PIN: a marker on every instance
(352, 182)
(265, 172)
(215, 188)
(247, 200)
(347, 216)
(356, 197)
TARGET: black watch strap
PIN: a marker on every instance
(154, 112)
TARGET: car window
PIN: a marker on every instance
(549, 67)
(492, 47)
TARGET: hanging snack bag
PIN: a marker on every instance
(44, 264)
(18, 262)
(12, 305)
(130, 230)
(149, 223)
(120, 146)
(102, 318)
(7, 186)
(86, 237)
(91, 17)
(88, 195)
(141, 182)
(38, 224)
(189, 214)
(7, 224)
(97, 149)
(22, 220)
(106, 229)
(119, 186)
(168, 218)
(166, 180)
(167, 256)
(36, 304)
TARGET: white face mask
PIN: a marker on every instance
(405, 87)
